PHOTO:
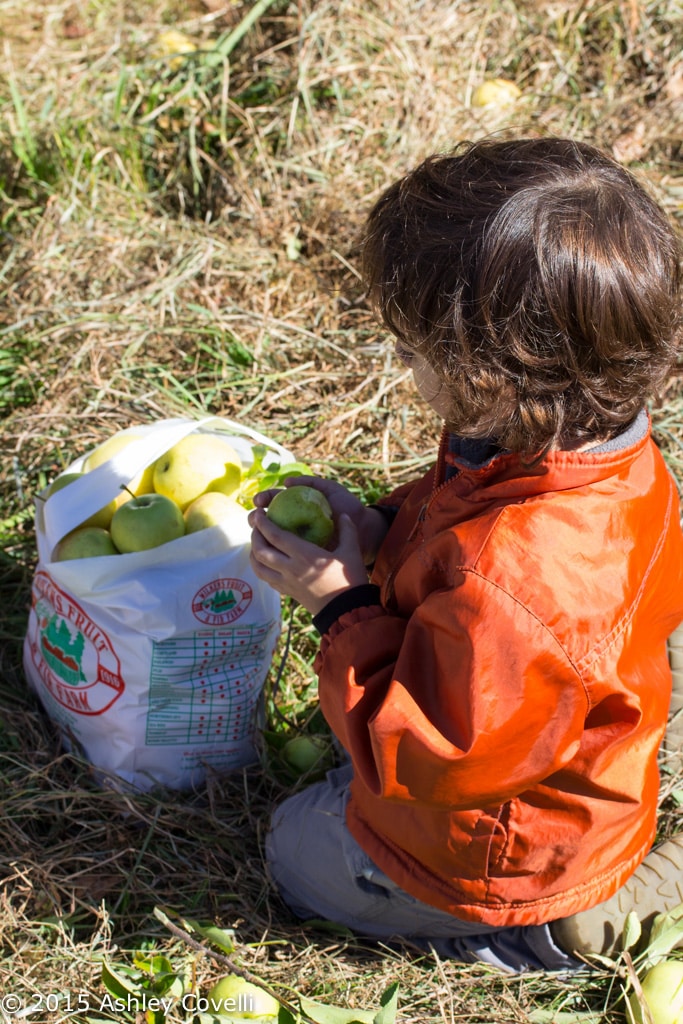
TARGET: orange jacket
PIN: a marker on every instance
(504, 703)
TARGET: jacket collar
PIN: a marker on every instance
(505, 474)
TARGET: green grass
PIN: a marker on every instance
(178, 237)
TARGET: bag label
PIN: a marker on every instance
(222, 601)
(204, 686)
(72, 655)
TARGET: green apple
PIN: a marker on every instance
(146, 522)
(100, 518)
(663, 993)
(240, 1000)
(305, 753)
(304, 511)
(140, 484)
(85, 542)
(195, 465)
(211, 509)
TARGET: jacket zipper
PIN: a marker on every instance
(422, 514)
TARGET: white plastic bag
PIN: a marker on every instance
(152, 663)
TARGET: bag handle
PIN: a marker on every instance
(254, 435)
(66, 508)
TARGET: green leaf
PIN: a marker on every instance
(117, 985)
(666, 934)
(632, 930)
(222, 1018)
(323, 1013)
(389, 1004)
(155, 964)
(563, 1017)
(275, 740)
(607, 962)
(164, 980)
(321, 924)
(230, 1018)
(177, 987)
(266, 472)
(223, 938)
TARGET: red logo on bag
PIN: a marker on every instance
(73, 657)
(221, 601)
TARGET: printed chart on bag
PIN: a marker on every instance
(202, 686)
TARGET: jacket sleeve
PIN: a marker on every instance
(464, 704)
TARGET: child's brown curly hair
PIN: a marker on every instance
(539, 279)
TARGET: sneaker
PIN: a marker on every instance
(673, 739)
(655, 888)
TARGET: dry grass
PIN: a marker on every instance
(182, 239)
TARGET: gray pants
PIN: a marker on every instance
(321, 871)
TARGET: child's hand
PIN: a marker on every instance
(309, 574)
(370, 524)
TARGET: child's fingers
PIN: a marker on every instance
(262, 499)
(261, 550)
(347, 534)
(330, 488)
(305, 481)
(283, 541)
(265, 572)
(347, 549)
(263, 528)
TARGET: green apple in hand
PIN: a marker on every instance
(146, 522)
(85, 542)
(304, 511)
(239, 1000)
(100, 518)
(198, 463)
(211, 509)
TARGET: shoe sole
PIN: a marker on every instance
(655, 887)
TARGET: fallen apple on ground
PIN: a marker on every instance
(306, 753)
(85, 542)
(211, 509)
(304, 511)
(663, 993)
(195, 465)
(146, 522)
(237, 999)
(100, 518)
(496, 92)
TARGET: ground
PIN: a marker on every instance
(179, 238)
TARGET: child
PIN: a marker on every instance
(500, 680)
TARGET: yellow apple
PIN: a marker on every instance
(195, 465)
(100, 518)
(304, 511)
(141, 483)
(211, 509)
(85, 542)
(146, 522)
(240, 1000)
(663, 993)
(174, 44)
(495, 92)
